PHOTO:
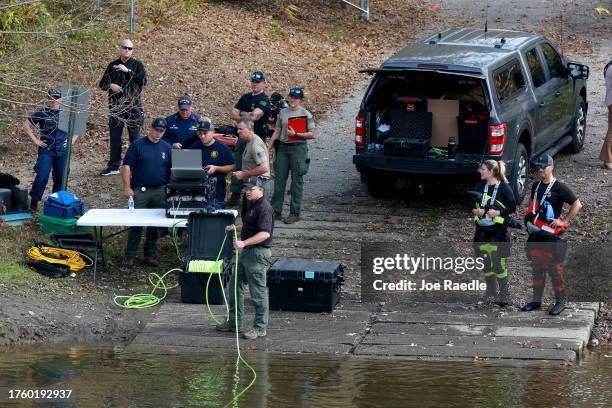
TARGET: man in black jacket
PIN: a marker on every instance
(123, 79)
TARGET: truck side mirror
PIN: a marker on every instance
(578, 71)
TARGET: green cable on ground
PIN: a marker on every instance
(174, 237)
(225, 302)
(235, 398)
(144, 300)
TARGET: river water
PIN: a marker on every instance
(106, 376)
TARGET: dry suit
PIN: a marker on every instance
(491, 237)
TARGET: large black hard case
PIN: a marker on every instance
(305, 285)
(409, 134)
(205, 235)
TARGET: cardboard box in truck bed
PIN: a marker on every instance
(445, 113)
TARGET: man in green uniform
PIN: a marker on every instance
(253, 262)
(255, 159)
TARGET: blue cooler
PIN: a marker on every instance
(63, 204)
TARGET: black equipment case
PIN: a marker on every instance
(189, 195)
(305, 285)
(205, 233)
(409, 134)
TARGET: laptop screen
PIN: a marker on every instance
(186, 159)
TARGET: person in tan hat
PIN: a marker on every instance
(606, 150)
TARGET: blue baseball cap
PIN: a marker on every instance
(254, 181)
(159, 123)
(54, 93)
(297, 93)
(257, 76)
(185, 102)
(205, 124)
(543, 162)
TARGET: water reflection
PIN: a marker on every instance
(109, 377)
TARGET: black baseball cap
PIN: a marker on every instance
(159, 123)
(257, 76)
(254, 181)
(185, 102)
(205, 125)
(297, 93)
(55, 93)
(543, 162)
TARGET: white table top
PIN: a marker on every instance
(138, 217)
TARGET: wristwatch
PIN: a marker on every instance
(129, 71)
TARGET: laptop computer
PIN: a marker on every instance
(187, 164)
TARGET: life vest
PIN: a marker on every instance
(540, 213)
(487, 202)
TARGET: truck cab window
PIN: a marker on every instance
(554, 61)
(508, 80)
(535, 68)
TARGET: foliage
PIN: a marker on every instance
(29, 17)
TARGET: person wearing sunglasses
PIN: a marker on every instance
(294, 127)
(255, 104)
(123, 79)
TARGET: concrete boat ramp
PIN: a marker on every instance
(334, 230)
(422, 331)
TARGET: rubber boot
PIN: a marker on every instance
(491, 292)
(531, 306)
(504, 293)
(559, 303)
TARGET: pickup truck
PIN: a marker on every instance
(459, 97)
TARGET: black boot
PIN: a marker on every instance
(557, 308)
(531, 306)
(504, 294)
(491, 292)
(33, 206)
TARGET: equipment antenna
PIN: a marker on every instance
(486, 19)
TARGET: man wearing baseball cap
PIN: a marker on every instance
(52, 145)
(182, 125)
(255, 104)
(545, 247)
(145, 172)
(253, 262)
(217, 158)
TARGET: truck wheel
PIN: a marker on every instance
(520, 173)
(380, 184)
(579, 128)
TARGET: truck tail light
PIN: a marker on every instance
(359, 131)
(497, 138)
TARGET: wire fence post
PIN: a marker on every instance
(98, 7)
(71, 121)
(132, 5)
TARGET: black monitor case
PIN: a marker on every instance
(205, 235)
(305, 285)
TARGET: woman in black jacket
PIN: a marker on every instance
(493, 205)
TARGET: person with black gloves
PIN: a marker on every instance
(545, 226)
(493, 207)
